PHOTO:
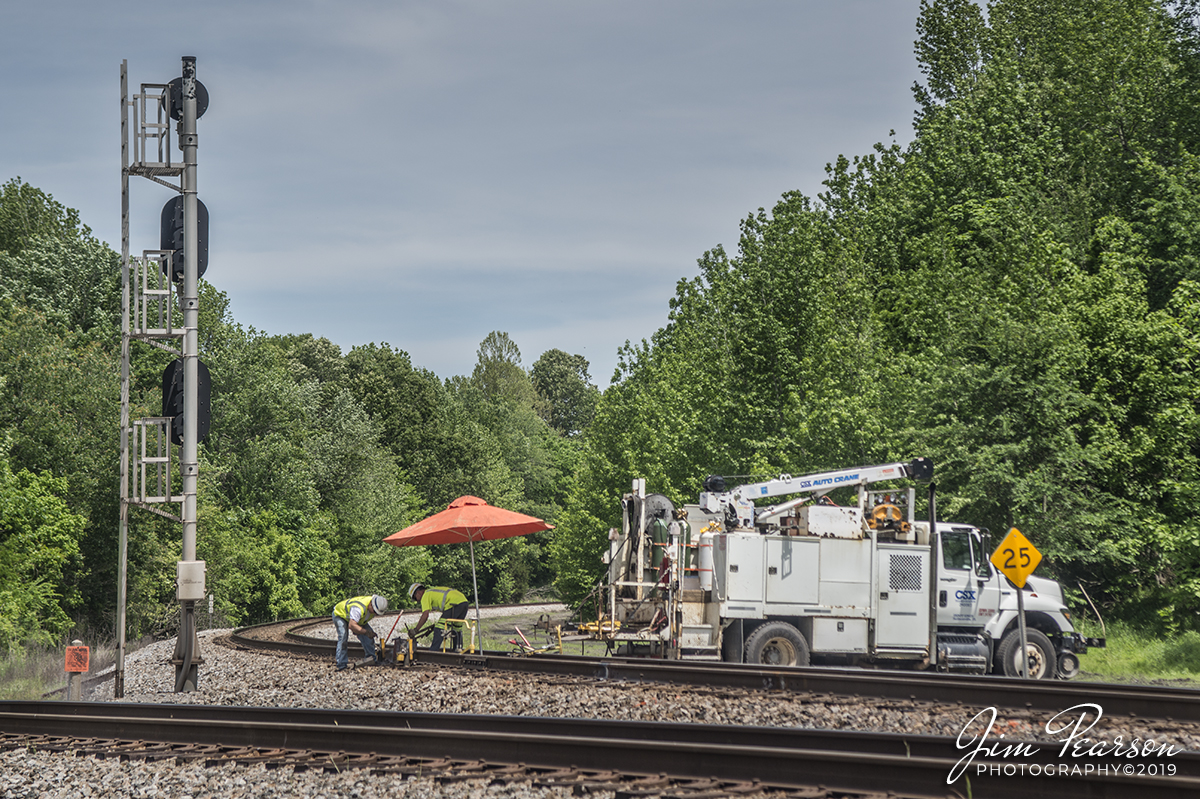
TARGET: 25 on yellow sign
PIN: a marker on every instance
(1016, 557)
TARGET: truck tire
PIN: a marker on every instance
(1042, 663)
(776, 643)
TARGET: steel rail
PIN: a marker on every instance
(319, 643)
(1173, 704)
(900, 744)
(916, 766)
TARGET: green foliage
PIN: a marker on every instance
(1015, 294)
(530, 466)
(264, 422)
(421, 424)
(567, 396)
(51, 265)
(28, 213)
(59, 399)
(498, 371)
(582, 535)
(1135, 654)
(269, 564)
(39, 543)
(59, 406)
(950, 48)
(1012, 295)
(313, 457)
(73, 284)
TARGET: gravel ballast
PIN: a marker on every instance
(232, 677)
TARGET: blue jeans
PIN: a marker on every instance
(343, 633)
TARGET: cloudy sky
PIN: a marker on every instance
(422, 173)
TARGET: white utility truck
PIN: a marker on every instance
(807, 580)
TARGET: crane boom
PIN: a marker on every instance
(742, 497)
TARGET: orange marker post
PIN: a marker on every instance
(77, 661)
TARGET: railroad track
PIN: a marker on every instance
(1177, 705)
(659, 759)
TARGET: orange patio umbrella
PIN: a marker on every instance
(468, 519)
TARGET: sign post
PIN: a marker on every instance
(76, 666)
(1017, 558)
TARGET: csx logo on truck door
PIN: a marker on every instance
(965, 596)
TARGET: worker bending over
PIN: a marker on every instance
(450, 603)
(354, 615)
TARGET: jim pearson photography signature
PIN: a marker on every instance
(1070, 727)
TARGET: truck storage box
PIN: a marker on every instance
(829, 521)
(839, 635)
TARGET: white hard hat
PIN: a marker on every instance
(413, 589)
(379, 604)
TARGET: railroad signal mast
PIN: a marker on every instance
(156, 288)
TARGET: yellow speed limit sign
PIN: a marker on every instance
(1016, 557)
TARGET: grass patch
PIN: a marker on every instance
(1134, 656)
(497, 632)
(32, 672)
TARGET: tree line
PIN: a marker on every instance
(313, 457)
(1014, 294)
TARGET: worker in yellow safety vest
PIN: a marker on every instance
(354, 615)
(450, 603)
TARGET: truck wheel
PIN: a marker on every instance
(1042, 663)
(1068, 665)
(776, 643)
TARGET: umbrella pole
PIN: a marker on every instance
(475, 583)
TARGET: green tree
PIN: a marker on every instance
(39, 544)
(265, 565)
(568, 397)
(950, 50)
(498, 371)
(73, 284)
(1012, 295)
(435, 441)
(531, 476)
(28, 213)
(294, 439)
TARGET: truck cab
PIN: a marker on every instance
(972, 596)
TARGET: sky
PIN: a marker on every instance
(423, 173)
